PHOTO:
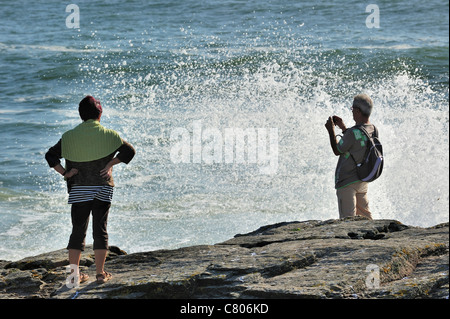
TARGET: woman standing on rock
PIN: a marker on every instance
(90, 152)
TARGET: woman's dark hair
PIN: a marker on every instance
(89, 108)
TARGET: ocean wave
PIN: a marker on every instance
(158, 67)
(50, 48)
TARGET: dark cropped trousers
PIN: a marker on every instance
(80, 220)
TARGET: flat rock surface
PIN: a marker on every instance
(351, 258)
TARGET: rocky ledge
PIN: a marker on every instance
(346, 258)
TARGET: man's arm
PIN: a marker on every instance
(330, 128)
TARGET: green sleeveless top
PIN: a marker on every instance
(89, 141)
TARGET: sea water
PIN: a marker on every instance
(174, 77)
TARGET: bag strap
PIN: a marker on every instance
(374, 134)
(362, 129)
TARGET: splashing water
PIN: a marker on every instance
(293, 90)
(280, 76)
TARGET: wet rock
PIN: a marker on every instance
(345, 258)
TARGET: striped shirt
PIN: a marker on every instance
(79, 193)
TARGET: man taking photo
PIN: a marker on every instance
(351, 148)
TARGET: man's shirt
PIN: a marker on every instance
(353, 142)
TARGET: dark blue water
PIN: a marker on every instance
(162, 66)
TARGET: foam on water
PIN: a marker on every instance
(294, 90)
(160, 204)
(265, 73)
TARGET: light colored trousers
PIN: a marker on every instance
(352, 200)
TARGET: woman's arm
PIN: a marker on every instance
(53, 156)
(106, 173)
(125, 155)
